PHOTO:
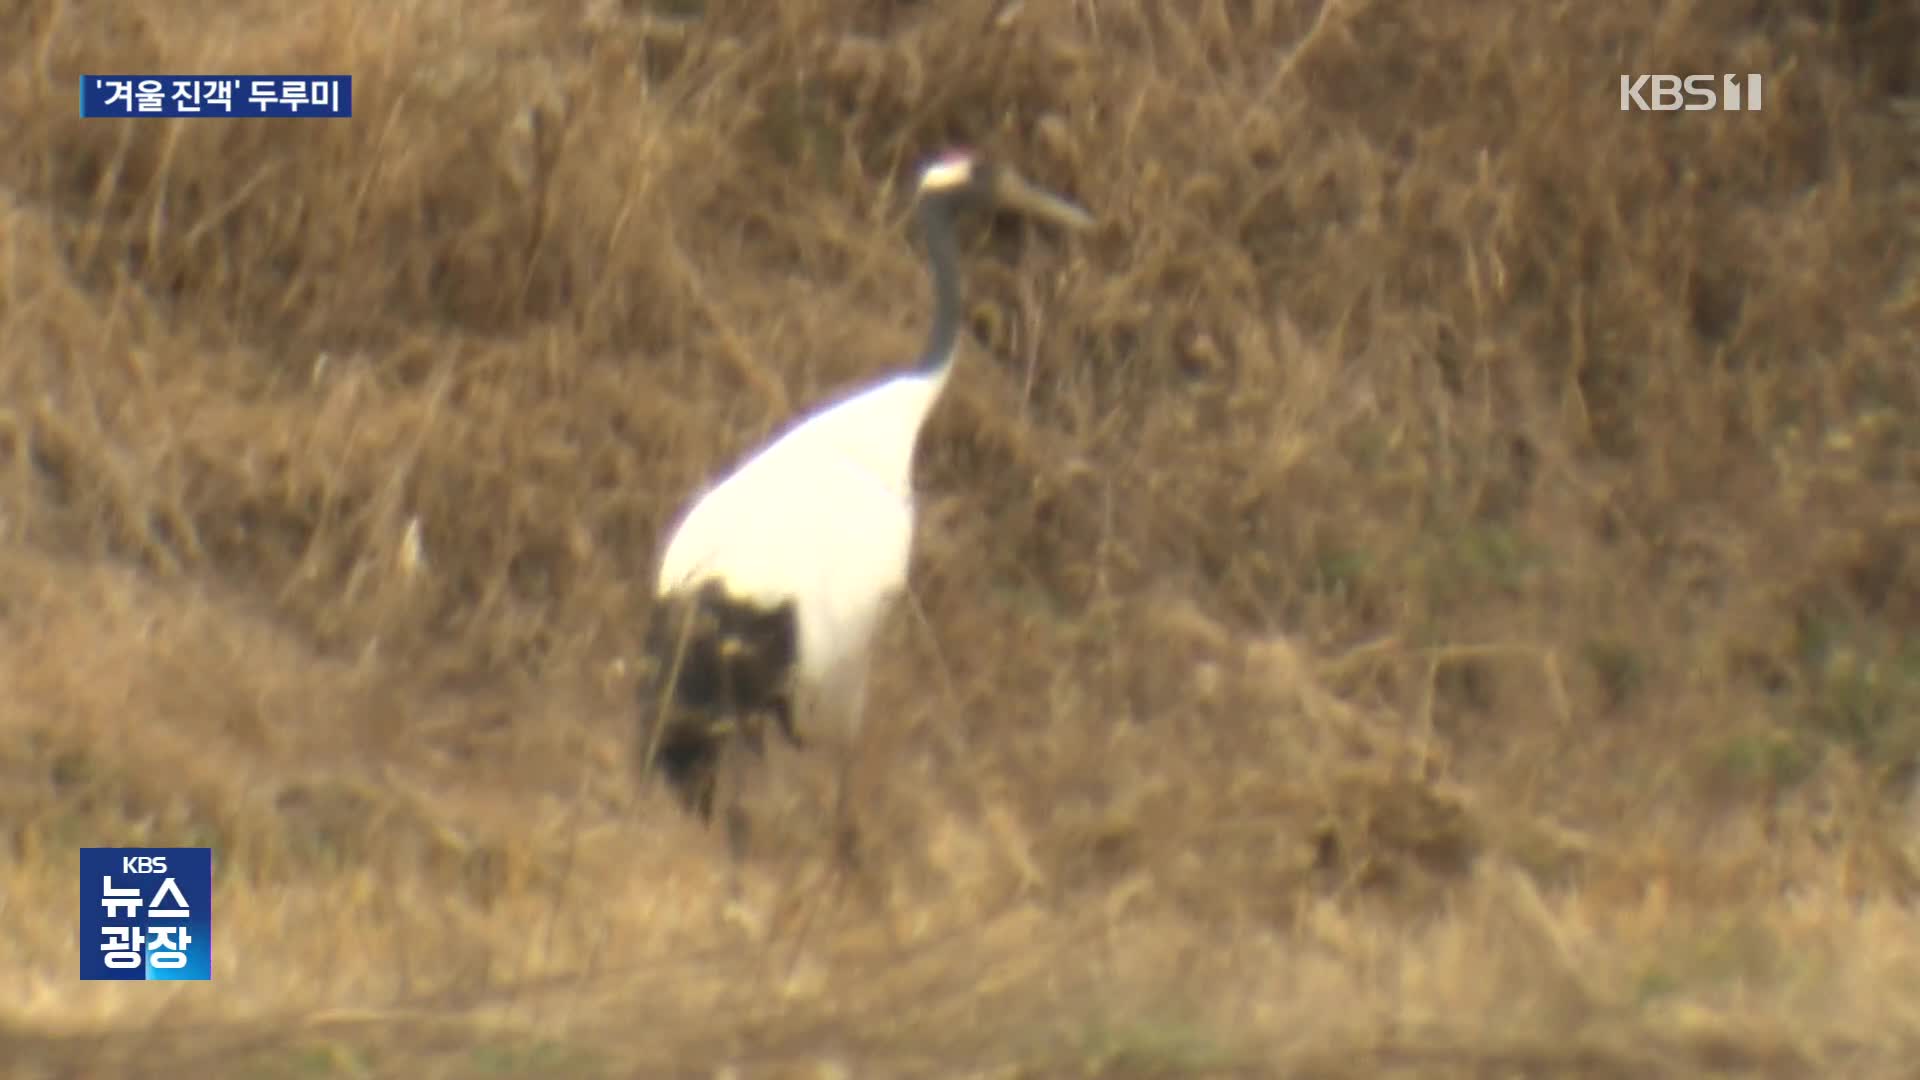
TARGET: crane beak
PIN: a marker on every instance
(1013, 191)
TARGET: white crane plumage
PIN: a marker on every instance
(772, 582)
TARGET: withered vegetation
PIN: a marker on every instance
(1428, 589)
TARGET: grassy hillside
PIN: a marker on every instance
(1428, 588)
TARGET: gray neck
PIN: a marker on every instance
(943, 259)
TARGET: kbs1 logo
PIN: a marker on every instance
(146, 914)
(1694, 93)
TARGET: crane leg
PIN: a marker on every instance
(846, 830)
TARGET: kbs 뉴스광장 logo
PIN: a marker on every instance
(146, 914)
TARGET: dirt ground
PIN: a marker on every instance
(1426, 589)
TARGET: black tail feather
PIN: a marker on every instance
(690, 761)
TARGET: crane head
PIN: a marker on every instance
(961, 174)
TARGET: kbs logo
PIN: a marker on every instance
(146, 913)
(1694, 93)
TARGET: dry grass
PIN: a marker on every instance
(1428, 590)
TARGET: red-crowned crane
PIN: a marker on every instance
(772, 582)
